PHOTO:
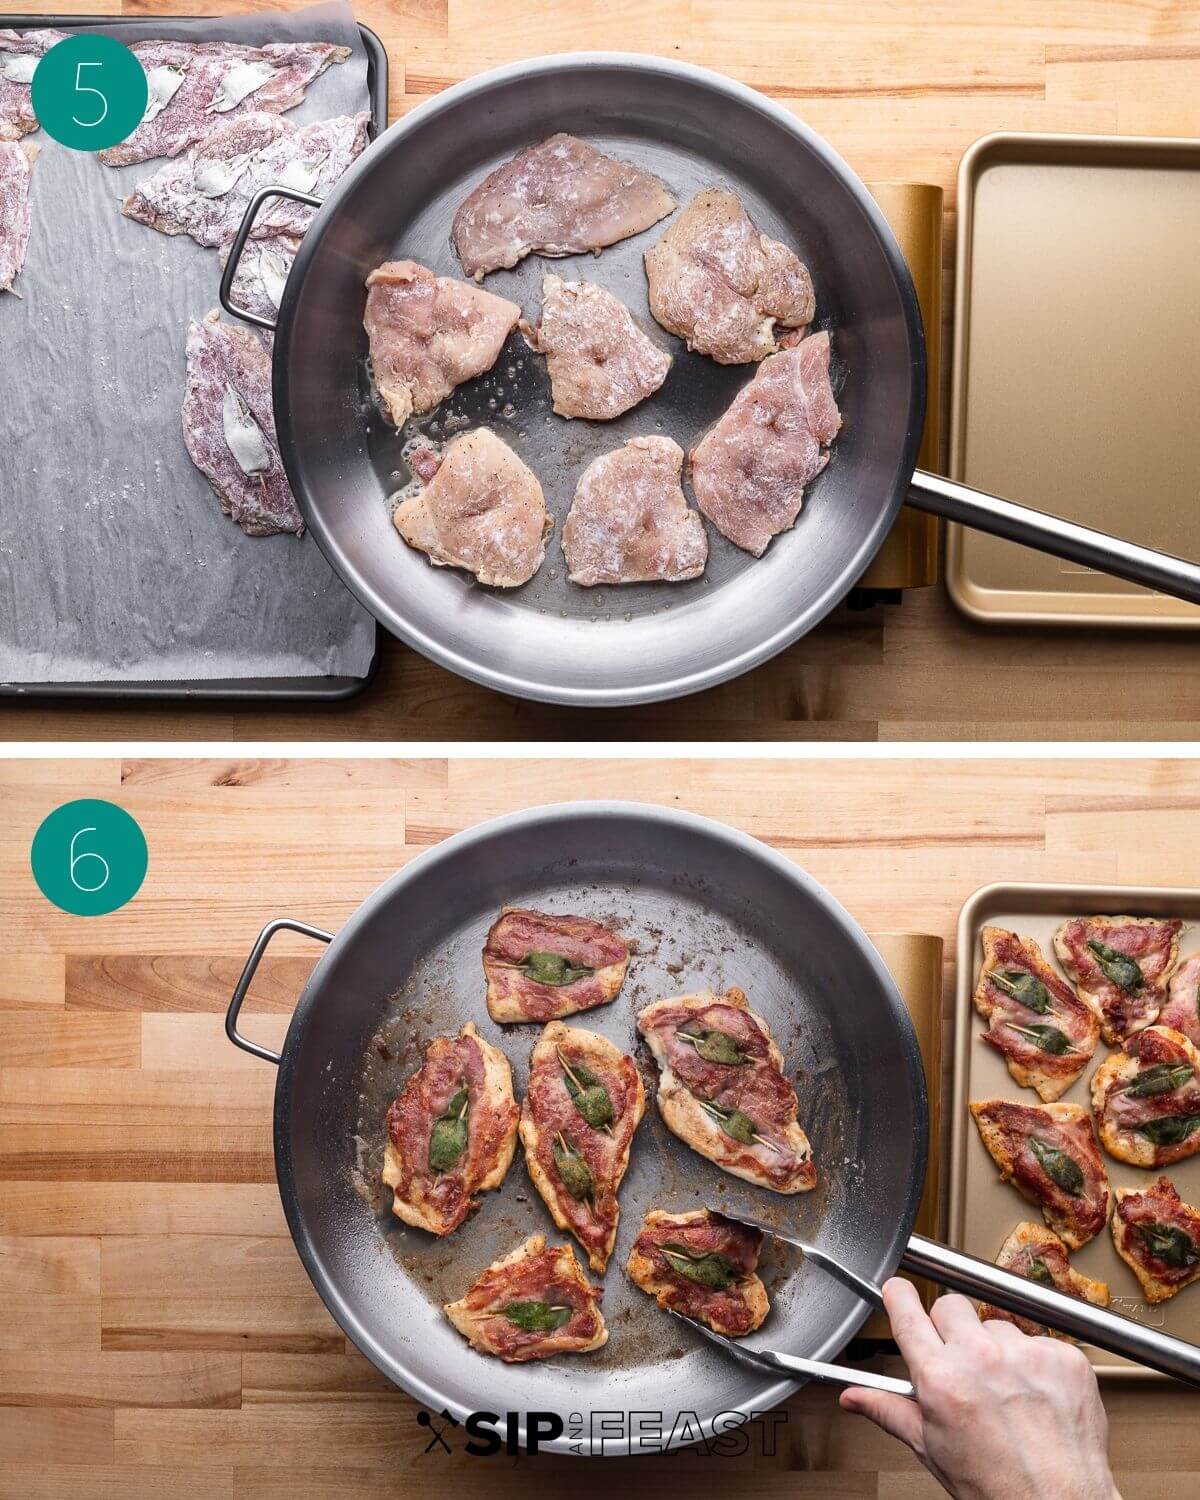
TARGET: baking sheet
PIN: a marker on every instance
(116, 563)
(984, 1210)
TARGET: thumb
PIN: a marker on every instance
(899, 1417)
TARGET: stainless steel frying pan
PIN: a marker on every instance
(705, 906)
(553, 640)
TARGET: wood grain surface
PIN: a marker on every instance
(901, 91)
(157, 1332)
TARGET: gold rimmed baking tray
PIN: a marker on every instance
(983, 1210)
(1076, 370)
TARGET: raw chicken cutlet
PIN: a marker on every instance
(194, 85)
(262, 273)
(540, 967)
(1037, 1254)
(583, 1104)
(16, 169)
(719, 284)
(1121, 966)
(704, 1266)
(722, 1089)
(229, 427)
(1147, 1099)
(560, 197)
(600, 362)
(481, 509)
(428, 334)
(630, 521)
(531, 1304)
(204, 193)
(749, 472)
(20, 53)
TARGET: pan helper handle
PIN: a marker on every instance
(277, 190)
(242, 988)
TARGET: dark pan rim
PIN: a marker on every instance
(341, 1310)
(385, 611)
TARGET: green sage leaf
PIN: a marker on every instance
(1063, 1170)
(448, 1139)
(553, 969)
(1118, 968)
(537, 1317)
(575, 1173)
(714, 1046)
(1045, 1038)
(1024, 988)
(711, 1269)
(1162, 1078)
(588, 1094)
(1167, 1242)
(1170, 1130)
(734, 1122)
(1039, 1271)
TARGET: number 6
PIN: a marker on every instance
(78, 859)
(84, 88)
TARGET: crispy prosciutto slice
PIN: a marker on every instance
(532, 1304)
(1049, 1154)
(722, 1089)
(1121, 965)
(1182, 1010)
(540, 967)
(1044, 1031)
(451, 1132)
(584, 1102)
(1158, 1236)
(702, 1265)
(1147, 1099)
(1037, 1254)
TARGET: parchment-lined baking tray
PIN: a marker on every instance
(1076, 377)
(283, 688)
(983, 1210)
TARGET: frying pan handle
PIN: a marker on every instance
(1094, 1325)
(1053, 534)
(248, 972)
(239, 244)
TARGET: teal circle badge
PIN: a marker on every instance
(89, 92)
(89, 857)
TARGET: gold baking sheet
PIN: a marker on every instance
(1076, 373)
(983, 1210)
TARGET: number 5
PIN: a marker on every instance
(78, 859)
(84, 88)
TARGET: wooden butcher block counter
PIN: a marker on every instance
(158, 1336)
(901, 92)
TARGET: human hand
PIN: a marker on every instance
(998, 1415)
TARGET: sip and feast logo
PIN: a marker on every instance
(599, 1433)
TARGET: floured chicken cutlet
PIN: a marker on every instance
(750, 470)
(1039, 1025)
(630, 521)
(481, 510)
(1037, 1254)
(560, 197)
(720, 285)
(429, 333)
(722, 1089)
(1147, 1099)
(1121, 965)
(1157, 1235)
(16, 169)
(541, 967)
(704, 1266)
(532, 1304)
(204, 193)
(229, 427)
(194, 85)
(20, 53)
(1182, 1010)
(583, 1104)
(262, 272)
(1049, 1154)
(452, 1132)
(599, 361)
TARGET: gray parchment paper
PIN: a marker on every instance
(116, 564)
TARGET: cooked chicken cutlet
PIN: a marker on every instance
(750, 470)
(1049, 1154)
(704, 1266)
(20, 53)
(1147, 1099)
(1120, 965)
(719, 284)
(1157, 1235)
(560, 197)
(1182, 1010)
(599, 361)
(429, 333)
(1039, 1025)
(1037, 1254)
(16, 170)
(531, 1304)
(630, 521)
(540, 967)
(481, 510)
(452, 1132)
(722, 1089)
(582, 1106)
